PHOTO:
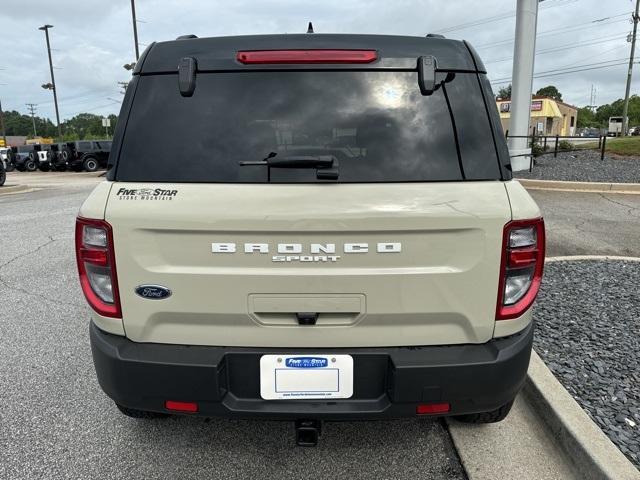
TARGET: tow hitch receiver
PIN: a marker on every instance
(307, 432)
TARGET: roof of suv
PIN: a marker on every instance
(394, 52)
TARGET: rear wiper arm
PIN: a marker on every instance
(326, 165)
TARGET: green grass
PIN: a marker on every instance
(618, 146)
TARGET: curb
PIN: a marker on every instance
(14, 189)
(596, 187)
(570, 258)
(593, 455)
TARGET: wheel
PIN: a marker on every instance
(3, 175)
(90, 165)
(61, 167)
(494, 416)
(44, 167)
(30, 165)
(133, 413)
(11, 161)
(20, 168)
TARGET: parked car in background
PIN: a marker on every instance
(49, 158)
(590, 133)
(615, 126)
(26, 158)
(88, 155)
(634, 131)
(3, 173)
(5, 158)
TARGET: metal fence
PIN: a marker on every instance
(547, 145)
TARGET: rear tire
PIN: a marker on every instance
(90, 165)
(3, 175)
(493, 416)
(10, 167)
(30, 165)
(133, 413)
(44, 168)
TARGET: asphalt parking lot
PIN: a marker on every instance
(57, 423)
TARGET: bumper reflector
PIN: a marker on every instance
(432, 408)
(185, 407)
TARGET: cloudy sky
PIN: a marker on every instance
(92, 39)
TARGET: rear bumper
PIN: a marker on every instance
(388, 382)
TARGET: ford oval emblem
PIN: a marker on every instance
(306, 362)
(153, 292)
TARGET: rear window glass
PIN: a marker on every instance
(376, 124)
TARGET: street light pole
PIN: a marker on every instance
(46, 28)
(135, 28)
(625, 109)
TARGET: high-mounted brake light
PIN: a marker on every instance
(521, 267)
(249, 57)
(97, 267)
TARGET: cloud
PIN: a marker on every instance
(92, 39)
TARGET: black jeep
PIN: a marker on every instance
(26, 157)
(87, 155)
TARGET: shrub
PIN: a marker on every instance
(564, 145)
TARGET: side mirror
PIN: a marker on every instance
(187, 76)
(427, 66)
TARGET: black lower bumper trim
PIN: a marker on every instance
(388, 382)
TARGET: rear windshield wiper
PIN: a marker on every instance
(326, 165)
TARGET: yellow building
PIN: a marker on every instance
(548, 116)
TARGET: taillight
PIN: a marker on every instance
(521, 267)
(97, 267)
(306, 56)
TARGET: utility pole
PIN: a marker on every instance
(135, 28)
(32, 111)
(46, 28)
(523, 62)
(625, 109)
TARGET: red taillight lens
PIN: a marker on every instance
(249, 57)
(521, 267)
(432, 408)
(97, 267)
(185, 407)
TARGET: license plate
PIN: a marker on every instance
(295, 377)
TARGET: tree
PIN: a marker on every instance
(587, 118)
(550, 91)
(505, 92)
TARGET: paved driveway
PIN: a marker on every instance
(590, 223)
(55, 422)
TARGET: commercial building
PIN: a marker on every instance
(548, 116)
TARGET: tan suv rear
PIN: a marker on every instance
(310, 227)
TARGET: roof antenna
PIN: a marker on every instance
(310, 28)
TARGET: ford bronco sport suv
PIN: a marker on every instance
(336, 235)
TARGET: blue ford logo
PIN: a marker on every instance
(153, 292)
(306, 362)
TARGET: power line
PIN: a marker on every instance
(495, 18)
(558, 31)
(504, 81)
(567, 46)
